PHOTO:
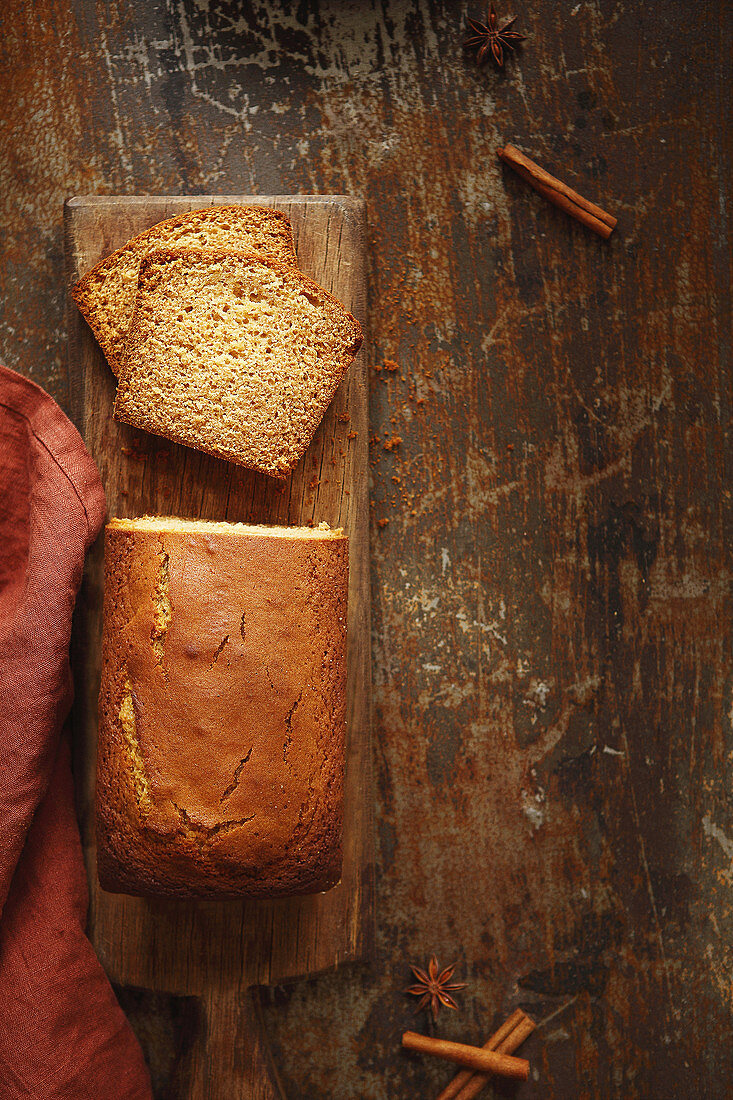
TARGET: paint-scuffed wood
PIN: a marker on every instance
(551, 638)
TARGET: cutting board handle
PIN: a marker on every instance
(230, 1059)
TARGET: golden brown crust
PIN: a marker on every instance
(106, 294)
(199, 377)
(221, 713)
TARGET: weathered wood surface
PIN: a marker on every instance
(551, 632)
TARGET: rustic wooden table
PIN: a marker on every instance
(551, 505)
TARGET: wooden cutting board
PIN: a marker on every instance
(219, 950)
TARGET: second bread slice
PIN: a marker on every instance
(233, 355)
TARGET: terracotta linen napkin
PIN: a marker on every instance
(62, 1033)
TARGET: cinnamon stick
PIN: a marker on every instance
(504, 1040)
(558, 193)
(487, 1061)
(477, 1081)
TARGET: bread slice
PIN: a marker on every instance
(106, 294)
(222, 709)
(233, 355)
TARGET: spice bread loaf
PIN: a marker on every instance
(221, 709)
(233, 355)
(106, 294)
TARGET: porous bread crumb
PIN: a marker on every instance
(128, 724)
(106, 294)
(162, 608)
(222, 527)
(233, 356)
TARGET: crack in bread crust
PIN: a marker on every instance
(162, 607)
(128, 724)
(204, 833)
(237, 775)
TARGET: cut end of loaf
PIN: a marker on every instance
(221, 527)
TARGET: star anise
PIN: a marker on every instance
(433, 987)
(489, 37)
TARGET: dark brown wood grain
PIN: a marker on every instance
(551, 569)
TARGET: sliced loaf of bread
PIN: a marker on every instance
(233, 355)
(106, 294)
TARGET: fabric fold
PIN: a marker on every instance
(62, 1033)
